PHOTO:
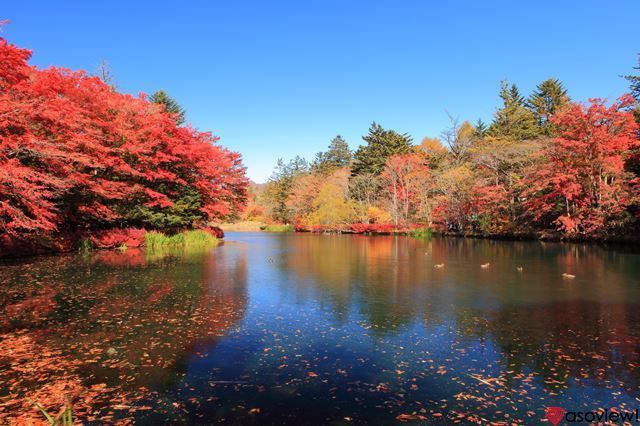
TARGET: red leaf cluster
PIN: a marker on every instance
(216, 231)
(373, 228)
(113, 238)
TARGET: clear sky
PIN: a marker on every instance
(279, 78)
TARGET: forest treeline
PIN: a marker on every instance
(546, 166)
(77, 158)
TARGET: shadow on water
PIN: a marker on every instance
(311, 329)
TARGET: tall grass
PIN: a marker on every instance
(278, 228)
(85, 246)
(421, 233)
(155, 239)
(63, 419)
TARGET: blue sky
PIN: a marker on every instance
(279, 78)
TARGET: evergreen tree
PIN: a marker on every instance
(514, 121)
(381, 144)
(634, 81)
(185, 211)
(171, 105)
(297, 166)
(633, 160)
(338, 155)
(548, 98)
(480, 129)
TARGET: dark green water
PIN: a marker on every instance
(306, 329)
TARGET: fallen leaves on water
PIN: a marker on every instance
(410, 417)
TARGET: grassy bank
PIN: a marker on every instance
(155, 239)
(420, 233)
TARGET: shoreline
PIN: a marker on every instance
(530, 236)
(113, 240)
(526, 237)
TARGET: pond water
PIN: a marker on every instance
(306, 329)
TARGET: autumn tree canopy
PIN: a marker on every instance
(76, 155)
(544, 166)
(583, 187)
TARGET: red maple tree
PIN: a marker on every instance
(76, 155)
(407, 180)
(583, 187)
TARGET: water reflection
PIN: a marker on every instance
(326, 329)
(534, 328)
(110, 328)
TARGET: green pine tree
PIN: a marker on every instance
(548, 98)
(480, 129)
(514, 121)
(634, 85)
(381, 144)
(184, 212)
(171, 105)
(634, 81)
(338, 155)
(633, 161)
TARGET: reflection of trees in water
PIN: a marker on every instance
(585, 329)
(579, 340)
(377, 276)
(112, 326)
(535, 319)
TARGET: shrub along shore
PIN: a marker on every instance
(133, 238)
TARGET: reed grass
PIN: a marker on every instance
(425, 233)
(188, 238)
(85, 246)
(64, 419)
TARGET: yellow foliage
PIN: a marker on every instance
(330, 208)
(432, 146)
(378, 215)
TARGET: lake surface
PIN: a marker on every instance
(335, 329)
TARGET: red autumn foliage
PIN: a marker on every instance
(75, 155)
(406, 179)
(492, 201)
(583, 187)
(372, 228)
(215, 231)
(113, 238)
